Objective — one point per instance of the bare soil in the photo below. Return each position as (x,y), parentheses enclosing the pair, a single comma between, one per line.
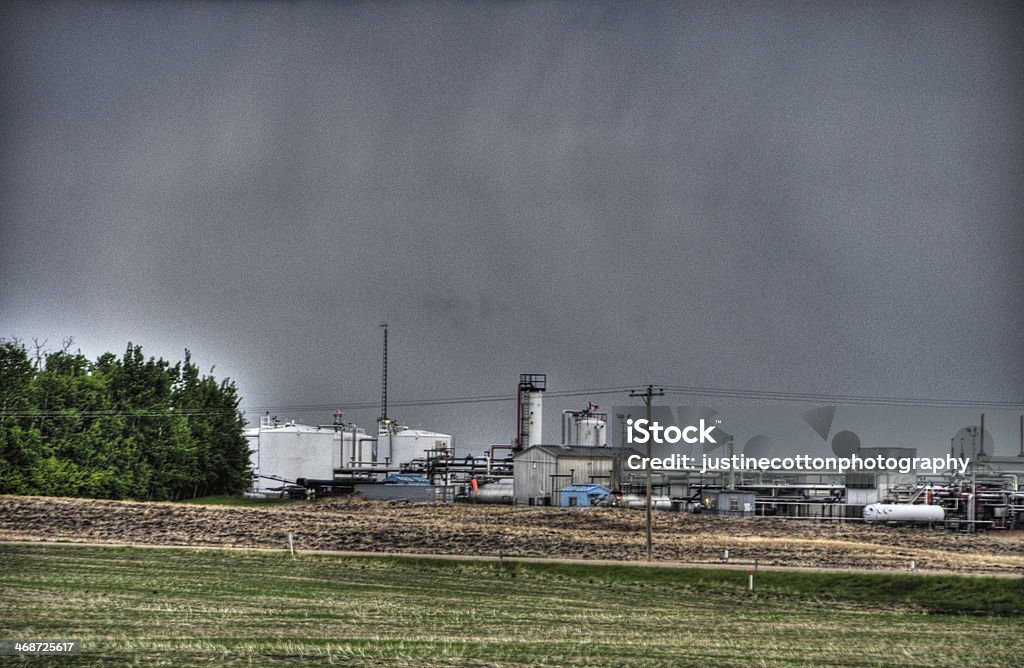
(576,533)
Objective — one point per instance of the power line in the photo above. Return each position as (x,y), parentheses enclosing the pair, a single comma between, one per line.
(430,402)
(72,413)
(693,391)
(838,398)
(761,395)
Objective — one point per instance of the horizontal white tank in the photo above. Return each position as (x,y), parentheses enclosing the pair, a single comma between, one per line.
(494,492)
(903,512)
(637,501)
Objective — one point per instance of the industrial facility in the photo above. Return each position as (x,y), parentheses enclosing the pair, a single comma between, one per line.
(582,469)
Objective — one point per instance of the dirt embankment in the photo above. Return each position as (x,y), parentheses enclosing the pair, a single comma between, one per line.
(589,533)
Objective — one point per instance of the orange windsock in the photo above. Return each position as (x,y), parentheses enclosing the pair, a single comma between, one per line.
(476,487)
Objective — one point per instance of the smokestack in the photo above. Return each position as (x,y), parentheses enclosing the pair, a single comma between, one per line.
(536,419)
(529,413)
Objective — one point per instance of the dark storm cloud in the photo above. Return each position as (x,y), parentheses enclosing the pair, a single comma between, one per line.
(785,196)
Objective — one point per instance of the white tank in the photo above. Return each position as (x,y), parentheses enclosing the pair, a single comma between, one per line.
(494,492)
(903,512)
(408,444)
(536,419)
(291,451)
(637,501)
(589,431)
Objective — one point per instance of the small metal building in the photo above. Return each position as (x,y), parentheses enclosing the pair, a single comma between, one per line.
(730,502)
(583,495)
(539,472)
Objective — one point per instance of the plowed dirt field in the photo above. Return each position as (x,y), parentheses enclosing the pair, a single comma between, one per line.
(587,533)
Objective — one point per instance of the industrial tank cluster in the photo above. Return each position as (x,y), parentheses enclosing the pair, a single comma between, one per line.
(336,454)
(396,462)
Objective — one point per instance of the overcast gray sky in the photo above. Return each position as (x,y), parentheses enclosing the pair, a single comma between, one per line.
(806,197)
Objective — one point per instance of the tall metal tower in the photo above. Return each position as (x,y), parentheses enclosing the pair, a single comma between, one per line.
(529,423)
(383,419)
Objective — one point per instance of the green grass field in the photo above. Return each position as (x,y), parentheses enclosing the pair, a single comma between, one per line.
(186,607)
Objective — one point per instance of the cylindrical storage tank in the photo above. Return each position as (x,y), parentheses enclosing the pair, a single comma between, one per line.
(589,431)
(291,451)
(903,512)
(631,501)
(661,503)
(637,501)
(536,419)
(410,444)
(494,492)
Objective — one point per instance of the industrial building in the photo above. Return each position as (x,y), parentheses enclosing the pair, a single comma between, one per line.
(581,469)
(541,471)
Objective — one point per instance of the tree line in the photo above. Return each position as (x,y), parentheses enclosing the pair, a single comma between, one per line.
(117,428)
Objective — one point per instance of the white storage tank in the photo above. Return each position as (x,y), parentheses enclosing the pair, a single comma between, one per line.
(252,437)
(535,402)
(291,451)
(589,431)
(903,512)
(499,491)
(637,501)
(585,428)
(405,445)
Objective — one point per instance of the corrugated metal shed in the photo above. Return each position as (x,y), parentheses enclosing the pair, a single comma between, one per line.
(542,470)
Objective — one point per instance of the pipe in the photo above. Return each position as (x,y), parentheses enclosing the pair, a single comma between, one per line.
(982,435)
(732,469)
(1016,487)
(563,427)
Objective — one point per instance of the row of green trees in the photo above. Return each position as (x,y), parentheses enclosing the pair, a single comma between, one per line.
(117,428)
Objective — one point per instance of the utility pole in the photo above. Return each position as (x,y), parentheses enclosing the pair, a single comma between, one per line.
(647,395)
